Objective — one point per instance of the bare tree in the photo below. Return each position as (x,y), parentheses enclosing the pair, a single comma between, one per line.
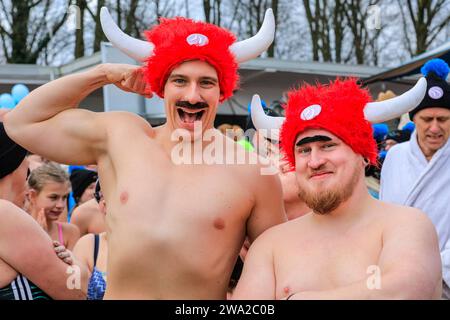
(98,32)
(186,6)
(79,33)
(428,18)
(26,29)
(130,19)
(357,12)
(327,25)
(249,16)
(212,10)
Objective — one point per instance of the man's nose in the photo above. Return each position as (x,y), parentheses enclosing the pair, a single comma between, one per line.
(193,94)
(434,127)
(316,160)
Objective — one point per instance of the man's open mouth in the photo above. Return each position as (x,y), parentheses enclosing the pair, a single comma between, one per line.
(190,115)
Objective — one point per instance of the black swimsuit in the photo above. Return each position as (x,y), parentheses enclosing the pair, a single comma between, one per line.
(22,289)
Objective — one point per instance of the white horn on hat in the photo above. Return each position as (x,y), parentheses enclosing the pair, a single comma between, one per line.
(251,48)
(137,49)
(381,111)
(268,126)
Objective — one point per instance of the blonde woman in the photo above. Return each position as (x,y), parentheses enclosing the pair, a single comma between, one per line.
(49,186)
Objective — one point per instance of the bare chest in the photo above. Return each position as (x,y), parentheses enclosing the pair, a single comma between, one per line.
(191,217)
(327,262)
(171,208)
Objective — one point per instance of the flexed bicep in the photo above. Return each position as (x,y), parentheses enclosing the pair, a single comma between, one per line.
(71,136)
(48,122)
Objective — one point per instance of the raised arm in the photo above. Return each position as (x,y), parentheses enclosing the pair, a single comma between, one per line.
(47,122)
(29,250)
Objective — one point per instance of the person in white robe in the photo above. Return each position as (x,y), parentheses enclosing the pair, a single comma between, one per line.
(417,173)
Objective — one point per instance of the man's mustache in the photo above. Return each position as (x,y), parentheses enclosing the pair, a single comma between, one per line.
(186,104)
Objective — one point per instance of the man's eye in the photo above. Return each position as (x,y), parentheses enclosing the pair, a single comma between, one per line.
(207,83)
(328,145)
(304,150)
(179,81)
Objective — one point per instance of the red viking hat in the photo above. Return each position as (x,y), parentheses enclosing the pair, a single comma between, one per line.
(337,108)
(177,40)
(341,107)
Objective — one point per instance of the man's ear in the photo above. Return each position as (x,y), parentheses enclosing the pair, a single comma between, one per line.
(366,162)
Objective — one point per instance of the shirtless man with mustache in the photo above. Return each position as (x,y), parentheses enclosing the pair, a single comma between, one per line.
(174,231)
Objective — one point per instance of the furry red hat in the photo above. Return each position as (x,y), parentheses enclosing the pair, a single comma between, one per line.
(337,108)
(180,39)
(176,40)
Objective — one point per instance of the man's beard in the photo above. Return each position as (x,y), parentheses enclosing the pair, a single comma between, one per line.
(324,202)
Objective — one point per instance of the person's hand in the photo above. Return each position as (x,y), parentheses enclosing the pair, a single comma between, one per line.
(41,220)
(63,253)
(284,167)
(244,249)
(127,77)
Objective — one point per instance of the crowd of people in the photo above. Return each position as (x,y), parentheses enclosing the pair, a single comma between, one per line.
(352,210)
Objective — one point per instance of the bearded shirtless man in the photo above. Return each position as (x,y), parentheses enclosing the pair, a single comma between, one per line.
(174,231)
(351,246)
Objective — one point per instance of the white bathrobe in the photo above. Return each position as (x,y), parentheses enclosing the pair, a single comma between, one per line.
(407,178)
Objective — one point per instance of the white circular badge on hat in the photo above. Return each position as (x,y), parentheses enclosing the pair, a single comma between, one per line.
(311,112)
(197,39)
(435,93)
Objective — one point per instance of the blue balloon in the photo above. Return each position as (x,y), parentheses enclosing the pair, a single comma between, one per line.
(19,91)
(7,101)
(410,126)
(380,130)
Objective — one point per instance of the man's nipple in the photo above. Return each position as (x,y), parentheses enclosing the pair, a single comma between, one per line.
(219,223)
(124,197)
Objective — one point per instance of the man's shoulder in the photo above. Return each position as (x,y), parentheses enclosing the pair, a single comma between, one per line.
(258,168)
(10,214)
(123,119)
(4,204)
(402,216)
(9,208)
(282,230)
